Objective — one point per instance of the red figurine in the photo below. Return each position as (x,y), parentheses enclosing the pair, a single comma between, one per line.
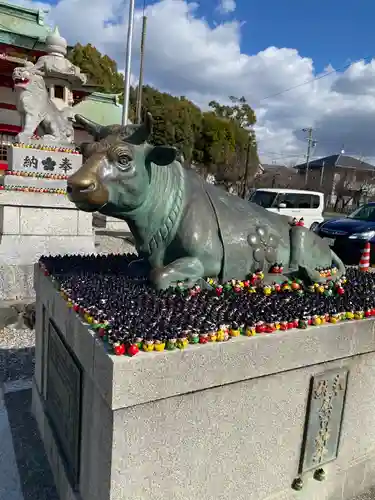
(301,222)
(101,332)
(275,269)
(132,350)
(119,349)
(260,327)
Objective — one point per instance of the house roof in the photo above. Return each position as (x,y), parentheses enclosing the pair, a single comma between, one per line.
(22,27)
(339,160)
(101,108)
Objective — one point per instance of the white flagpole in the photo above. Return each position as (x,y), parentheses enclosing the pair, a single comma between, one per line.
(129,44)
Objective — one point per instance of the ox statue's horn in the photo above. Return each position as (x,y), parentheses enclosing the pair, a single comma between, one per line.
(134,134)
(91,127)
(140,133)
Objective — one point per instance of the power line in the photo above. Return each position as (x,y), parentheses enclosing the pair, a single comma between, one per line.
(328,73)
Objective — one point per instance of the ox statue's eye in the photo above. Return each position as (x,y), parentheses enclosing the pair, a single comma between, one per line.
(124,161)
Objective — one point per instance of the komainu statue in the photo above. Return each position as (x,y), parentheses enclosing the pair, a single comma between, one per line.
(38,110)
(186,228)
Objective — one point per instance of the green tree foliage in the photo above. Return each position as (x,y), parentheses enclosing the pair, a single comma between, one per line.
(177,121)
(219,141)
(101,69)
(241,165)
(239,111)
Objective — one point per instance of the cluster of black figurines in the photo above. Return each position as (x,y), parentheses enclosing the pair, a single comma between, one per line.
(112,293)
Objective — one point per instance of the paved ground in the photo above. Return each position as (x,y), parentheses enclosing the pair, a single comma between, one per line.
(24,469)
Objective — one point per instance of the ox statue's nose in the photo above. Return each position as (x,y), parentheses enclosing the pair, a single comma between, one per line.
(81,186)
(86,191)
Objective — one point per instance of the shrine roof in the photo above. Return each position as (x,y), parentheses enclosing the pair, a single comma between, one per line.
(104,109)
(22,27)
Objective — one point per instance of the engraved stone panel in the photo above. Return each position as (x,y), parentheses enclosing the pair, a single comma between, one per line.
(63,400)
(42,161)
(324,418)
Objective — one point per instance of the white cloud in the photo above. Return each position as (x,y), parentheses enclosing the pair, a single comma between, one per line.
(185,55)
(227,6)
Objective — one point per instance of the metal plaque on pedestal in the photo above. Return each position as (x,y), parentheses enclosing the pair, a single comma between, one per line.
(63,400)
(324,419)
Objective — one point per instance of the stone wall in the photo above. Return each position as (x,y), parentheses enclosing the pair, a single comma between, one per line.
(32,225)
(222,421)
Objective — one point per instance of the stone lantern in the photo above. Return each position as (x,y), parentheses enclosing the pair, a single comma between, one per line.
(60,75)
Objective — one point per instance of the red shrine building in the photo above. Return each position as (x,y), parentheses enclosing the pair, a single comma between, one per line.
(25,35)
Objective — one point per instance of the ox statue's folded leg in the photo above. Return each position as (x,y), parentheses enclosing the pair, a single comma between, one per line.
(187,270)
(308,252)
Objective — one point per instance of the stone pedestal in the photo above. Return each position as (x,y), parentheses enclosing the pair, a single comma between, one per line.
(239,420)
(34,224)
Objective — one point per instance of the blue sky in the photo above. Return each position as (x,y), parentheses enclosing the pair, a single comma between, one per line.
(329,31)
(185,56)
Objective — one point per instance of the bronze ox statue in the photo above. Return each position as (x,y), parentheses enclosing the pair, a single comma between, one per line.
(184,227)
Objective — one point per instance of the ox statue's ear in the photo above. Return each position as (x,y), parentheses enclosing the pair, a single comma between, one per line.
(162,155)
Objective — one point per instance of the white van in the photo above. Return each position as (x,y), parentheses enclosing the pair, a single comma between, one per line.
(292,203)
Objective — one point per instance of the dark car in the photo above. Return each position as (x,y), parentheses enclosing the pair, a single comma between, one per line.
(348,236)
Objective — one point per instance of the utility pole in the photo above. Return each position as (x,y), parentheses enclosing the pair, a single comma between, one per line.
(322,174)
(310,143)
(244,187)
(129,44)
(140,82)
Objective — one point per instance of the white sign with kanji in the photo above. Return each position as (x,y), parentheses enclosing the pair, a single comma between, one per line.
(41,161)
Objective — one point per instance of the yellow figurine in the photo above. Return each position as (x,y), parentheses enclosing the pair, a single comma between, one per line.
(220,336)
(335,318)
(349,315)
(182,342)
(223,333)
(212,336)
(88,318)
(159,345)
(316,320)
(250,331)
(148,345)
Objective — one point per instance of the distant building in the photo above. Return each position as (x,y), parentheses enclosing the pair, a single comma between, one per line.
(274,175)
(341,176)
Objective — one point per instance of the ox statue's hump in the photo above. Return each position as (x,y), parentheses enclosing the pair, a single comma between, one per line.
(239,222)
